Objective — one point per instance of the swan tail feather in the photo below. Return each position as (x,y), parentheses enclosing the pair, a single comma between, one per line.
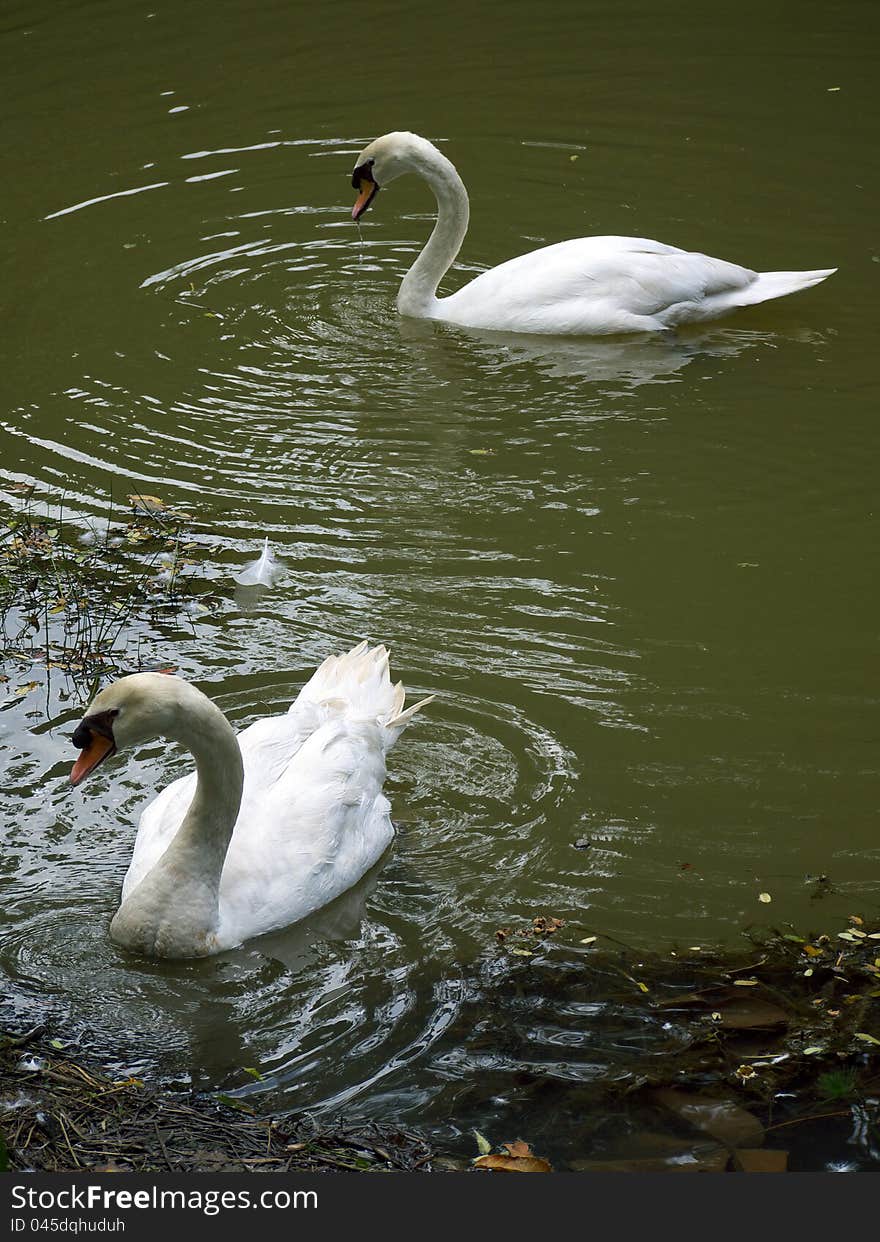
(779,284)
(401,719)
(358,684)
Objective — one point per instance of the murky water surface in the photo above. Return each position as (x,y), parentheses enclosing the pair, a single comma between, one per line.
(638,575)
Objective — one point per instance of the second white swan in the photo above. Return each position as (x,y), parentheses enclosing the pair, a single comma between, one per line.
(586,286)
(273,824)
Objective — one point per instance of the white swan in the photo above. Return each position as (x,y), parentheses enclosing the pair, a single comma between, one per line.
(272,825)
(586,286)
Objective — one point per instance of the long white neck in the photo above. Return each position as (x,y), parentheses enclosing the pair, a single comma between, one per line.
(174,910)
(418,292)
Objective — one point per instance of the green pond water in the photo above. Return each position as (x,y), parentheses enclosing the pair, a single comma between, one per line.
(639,575)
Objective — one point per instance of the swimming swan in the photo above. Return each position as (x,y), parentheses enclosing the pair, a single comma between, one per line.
(586,286)
(273,824)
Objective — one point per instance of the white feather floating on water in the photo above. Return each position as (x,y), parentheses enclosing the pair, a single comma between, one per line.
(260,572)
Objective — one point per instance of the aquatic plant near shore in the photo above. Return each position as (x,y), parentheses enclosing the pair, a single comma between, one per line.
(75,594)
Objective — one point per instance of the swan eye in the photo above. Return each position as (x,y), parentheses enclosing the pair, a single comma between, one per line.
(94,737)
(100,723)
(363,172)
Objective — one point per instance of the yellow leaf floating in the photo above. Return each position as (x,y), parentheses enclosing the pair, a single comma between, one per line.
(868,1039)
(745,983)
(483,1144)
(765,898)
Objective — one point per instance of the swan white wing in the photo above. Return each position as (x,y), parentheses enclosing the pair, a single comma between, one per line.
(596,285)
(312,835)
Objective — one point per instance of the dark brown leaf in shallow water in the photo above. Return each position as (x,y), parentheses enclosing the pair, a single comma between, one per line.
(721,1118)
(760,1160)
(745,1013)
(734,1008)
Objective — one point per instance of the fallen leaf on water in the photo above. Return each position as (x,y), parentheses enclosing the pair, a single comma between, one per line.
(152,504)
(27,687)
(524,952)
(721,1118)
(589,939)
(855,918)
(519,1159)
(745,1011)
(483,1144)
(745,983)
(811,950)
(868,1039)
(765,898)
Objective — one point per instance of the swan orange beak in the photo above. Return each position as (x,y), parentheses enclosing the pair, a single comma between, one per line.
(368,191)
(95,752)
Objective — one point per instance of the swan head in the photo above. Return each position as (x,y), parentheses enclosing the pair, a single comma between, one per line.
(131,710)
(386,158)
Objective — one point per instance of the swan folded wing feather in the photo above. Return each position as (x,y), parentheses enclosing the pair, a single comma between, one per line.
(321,826)
(592,284)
